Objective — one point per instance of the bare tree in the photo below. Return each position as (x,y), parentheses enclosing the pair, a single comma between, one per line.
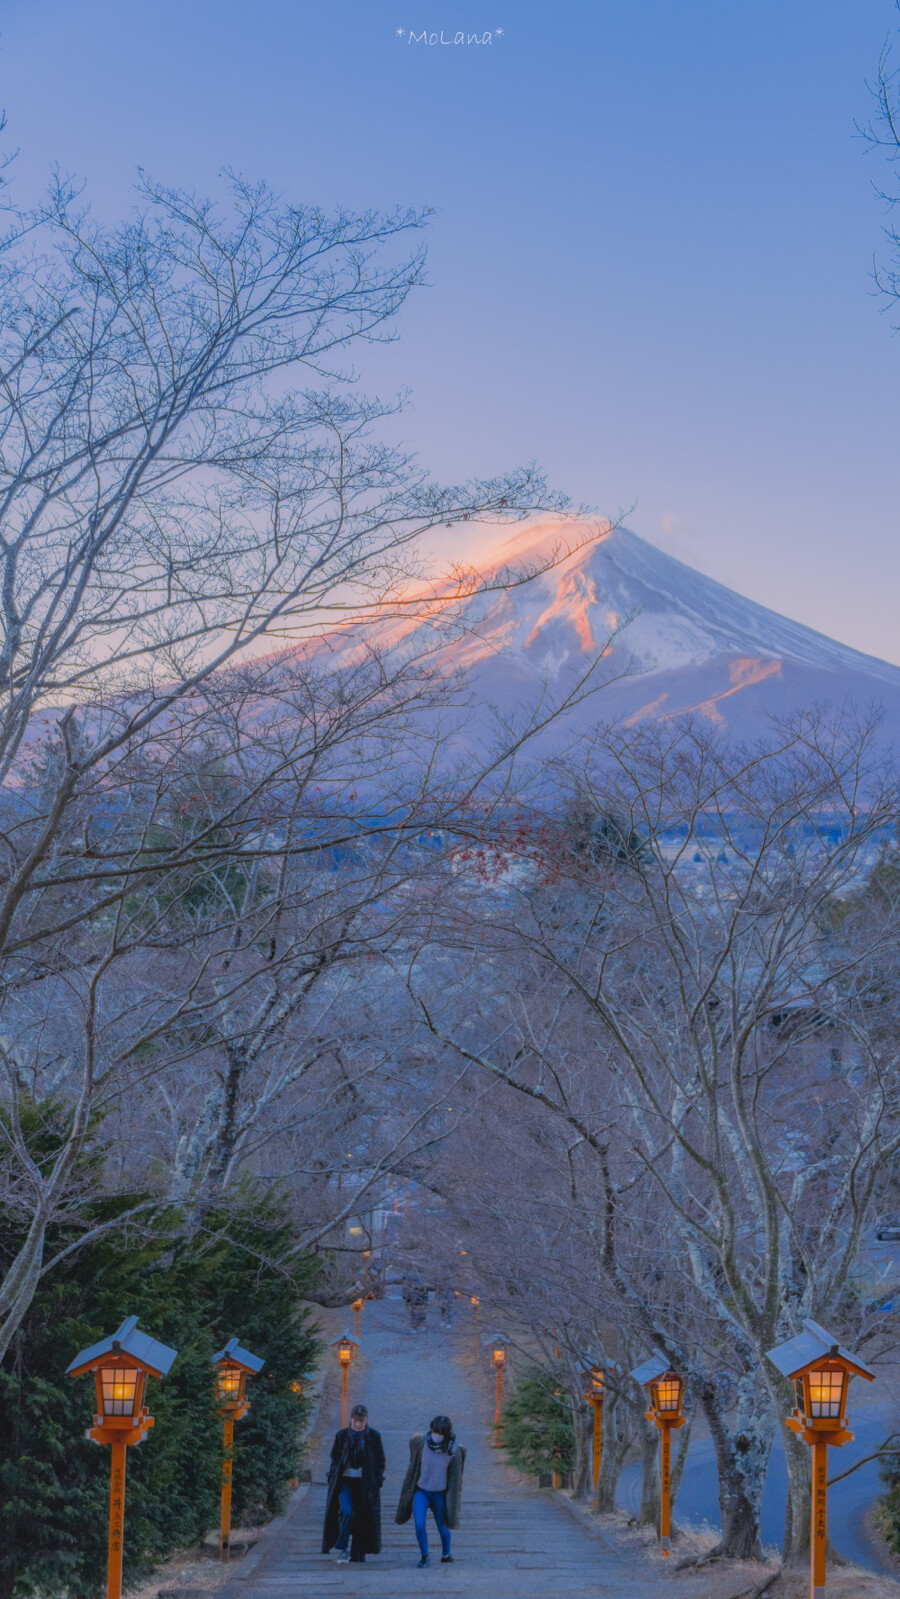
(170,498)
(692,923)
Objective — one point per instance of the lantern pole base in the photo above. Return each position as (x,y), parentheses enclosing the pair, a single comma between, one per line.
(664,1546)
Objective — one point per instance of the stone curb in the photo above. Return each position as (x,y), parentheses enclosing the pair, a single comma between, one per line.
(263,1547)
(582,1514)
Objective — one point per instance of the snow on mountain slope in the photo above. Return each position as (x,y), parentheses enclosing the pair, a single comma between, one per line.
(692,645)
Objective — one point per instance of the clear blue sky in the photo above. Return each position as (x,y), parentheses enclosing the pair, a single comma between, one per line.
(651,263)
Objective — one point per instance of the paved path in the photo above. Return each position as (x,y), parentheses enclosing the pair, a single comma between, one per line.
(513,1540)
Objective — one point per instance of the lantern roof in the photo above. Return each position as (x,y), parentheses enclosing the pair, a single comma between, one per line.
(154,1357)
(809,1348)
(236,1356)
(651,1370)
(345,1338)
(496,1338)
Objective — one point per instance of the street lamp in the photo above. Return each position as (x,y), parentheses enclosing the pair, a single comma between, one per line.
(593,1393)
(666,1395)
(474,1301)
(356,1306)
(498,1347)
(121,1365)
(346,1352)
(666,1390)
(233,1366)
(820,1371)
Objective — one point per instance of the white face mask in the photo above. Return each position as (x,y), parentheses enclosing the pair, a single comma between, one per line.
(438,1437)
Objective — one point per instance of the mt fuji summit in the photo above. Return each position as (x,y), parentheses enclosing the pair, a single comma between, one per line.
(678,642)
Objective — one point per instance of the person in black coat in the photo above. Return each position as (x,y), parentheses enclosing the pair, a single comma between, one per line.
(355,1476)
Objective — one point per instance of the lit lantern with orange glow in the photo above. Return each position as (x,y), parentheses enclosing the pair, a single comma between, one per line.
(594,1393)
(666,1395)
(666,1390)
(230,1389)
(356,1306)
(346,1352)
(498,1347)
(233,1366)
(820,1371)
(121,1365)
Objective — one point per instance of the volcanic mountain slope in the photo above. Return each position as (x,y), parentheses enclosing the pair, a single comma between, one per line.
(691,645)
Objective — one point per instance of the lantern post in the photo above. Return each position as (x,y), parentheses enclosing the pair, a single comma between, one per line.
(121,1365)
(820,1371)
(346,1352)
(666,1390)
(474,1301)
(498,1347)
(593,1393)
(233,1366)
(356,1306)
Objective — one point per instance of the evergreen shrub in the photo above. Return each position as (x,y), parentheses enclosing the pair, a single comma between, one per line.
(537,1427)
(889,1509)
(194,1292)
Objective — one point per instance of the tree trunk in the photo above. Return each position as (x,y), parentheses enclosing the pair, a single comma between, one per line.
(799,1499)
(21,1281)
(648,1516)
(617,1441)
(684,1439)
(582,1425)
(739,1496)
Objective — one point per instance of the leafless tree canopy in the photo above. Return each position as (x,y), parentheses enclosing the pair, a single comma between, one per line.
(202,845)
(684,967)
(628,1037)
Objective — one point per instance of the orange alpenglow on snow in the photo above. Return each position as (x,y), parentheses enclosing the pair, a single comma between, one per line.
(667,640)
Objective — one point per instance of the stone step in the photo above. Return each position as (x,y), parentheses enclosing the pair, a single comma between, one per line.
(515,1541)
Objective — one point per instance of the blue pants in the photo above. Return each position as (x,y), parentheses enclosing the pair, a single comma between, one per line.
(438,1504)
(348,1500)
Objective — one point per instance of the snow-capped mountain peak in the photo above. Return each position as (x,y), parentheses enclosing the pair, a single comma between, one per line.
(674,640)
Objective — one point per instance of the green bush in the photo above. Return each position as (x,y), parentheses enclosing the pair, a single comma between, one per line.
(537,1427)
(192,1293)
(889,1509)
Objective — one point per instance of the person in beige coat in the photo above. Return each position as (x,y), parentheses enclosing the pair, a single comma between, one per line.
(433,1482)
